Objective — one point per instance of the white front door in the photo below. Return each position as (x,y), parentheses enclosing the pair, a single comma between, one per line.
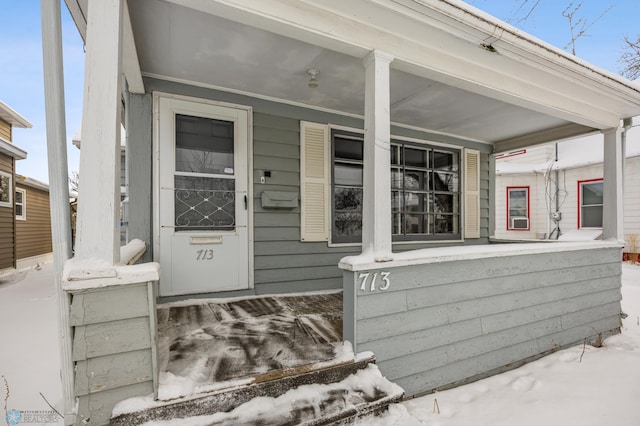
(202,192)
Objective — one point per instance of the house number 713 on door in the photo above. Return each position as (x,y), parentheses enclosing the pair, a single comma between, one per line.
(204,254)
(384,280)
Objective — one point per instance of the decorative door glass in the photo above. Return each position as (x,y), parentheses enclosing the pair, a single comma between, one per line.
(205,196)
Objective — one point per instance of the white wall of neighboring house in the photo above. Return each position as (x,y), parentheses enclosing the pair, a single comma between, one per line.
(578,160)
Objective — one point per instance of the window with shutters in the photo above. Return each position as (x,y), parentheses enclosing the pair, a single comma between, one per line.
(425,190)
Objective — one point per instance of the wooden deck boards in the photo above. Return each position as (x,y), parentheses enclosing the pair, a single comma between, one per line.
(211,341)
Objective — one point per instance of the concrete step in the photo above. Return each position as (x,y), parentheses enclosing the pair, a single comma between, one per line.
(311,395)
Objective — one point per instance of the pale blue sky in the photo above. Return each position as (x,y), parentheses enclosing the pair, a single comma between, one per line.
(21,80)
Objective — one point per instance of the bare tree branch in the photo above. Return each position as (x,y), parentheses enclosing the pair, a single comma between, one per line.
(579,27)
(528,14)
(630,58)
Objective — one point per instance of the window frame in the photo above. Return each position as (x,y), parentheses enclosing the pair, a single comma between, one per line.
(9,177)
(581,184)
(402,142)
(22,204)
(528,207)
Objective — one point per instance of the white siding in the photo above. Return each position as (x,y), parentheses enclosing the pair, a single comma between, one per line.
(632,196)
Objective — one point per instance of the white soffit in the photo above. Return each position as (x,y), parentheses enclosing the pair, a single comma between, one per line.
(442,79)
(10,116)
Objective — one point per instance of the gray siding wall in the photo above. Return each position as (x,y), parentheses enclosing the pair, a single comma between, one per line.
(282,263)
(433,328)
(113,349)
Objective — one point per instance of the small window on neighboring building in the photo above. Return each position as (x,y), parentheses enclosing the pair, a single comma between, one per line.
(21,204)
(6,190)
(518,208)
(590,202)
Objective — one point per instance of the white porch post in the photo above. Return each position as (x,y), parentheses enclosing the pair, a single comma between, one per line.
(613,208)
(99,200)
(376,204)
(58,186)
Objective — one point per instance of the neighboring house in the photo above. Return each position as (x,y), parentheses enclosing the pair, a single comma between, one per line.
(9,154)
(33,222)
(565,177)
(250,173)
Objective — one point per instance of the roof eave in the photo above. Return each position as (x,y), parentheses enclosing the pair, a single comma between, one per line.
(9,115)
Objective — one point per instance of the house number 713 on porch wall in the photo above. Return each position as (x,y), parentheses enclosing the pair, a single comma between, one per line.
(384,278)
(204,254)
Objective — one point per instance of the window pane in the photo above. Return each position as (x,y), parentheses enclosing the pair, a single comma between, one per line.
(204,145)
(348,199)
(517,213)
(445,203)
(445,224)
(445,182)
(397,201)
(416,202)
(395,154)
(204,204)
(417,223)
(396,224)
(416,180)
(396,178)
(447,161)
(347,174)
(591,217)
(5,188)
(518,199)
(415,157)
(347,224)
(348,149)
(592,193)
(18,209)
(19,197)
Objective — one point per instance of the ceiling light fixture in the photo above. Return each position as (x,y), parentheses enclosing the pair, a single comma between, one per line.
(313,81)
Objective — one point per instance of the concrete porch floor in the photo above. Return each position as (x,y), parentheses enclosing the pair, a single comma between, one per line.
(203,343)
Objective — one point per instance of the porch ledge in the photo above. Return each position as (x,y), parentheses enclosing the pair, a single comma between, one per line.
(450,254)
(100,277)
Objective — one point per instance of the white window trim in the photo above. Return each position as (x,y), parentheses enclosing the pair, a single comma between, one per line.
(10,202)
(581,184)
(23,216)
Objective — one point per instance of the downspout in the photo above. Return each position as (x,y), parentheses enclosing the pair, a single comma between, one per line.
(557,181)
(58,187)
(627,123)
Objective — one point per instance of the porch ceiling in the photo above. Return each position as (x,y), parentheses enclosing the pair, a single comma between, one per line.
(194,42)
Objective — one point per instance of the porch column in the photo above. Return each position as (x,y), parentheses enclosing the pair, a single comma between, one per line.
(613,202)
(376,202)
(99,200)
(58,186)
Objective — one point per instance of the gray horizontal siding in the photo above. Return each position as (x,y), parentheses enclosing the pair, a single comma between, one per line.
(113,348)
(276,148)
(433,328)
(282,263)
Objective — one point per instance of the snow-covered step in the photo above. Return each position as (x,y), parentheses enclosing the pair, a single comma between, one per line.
(314,396)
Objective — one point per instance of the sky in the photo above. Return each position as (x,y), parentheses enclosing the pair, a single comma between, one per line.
(21,77)
(22,81)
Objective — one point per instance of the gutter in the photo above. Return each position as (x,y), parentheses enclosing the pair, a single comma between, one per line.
(12,150)
(502,28)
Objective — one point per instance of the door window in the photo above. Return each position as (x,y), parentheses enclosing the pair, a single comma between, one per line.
(204,174)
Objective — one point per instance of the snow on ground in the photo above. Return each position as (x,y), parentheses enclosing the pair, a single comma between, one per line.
(559,389)
(29,350)
(604,388)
